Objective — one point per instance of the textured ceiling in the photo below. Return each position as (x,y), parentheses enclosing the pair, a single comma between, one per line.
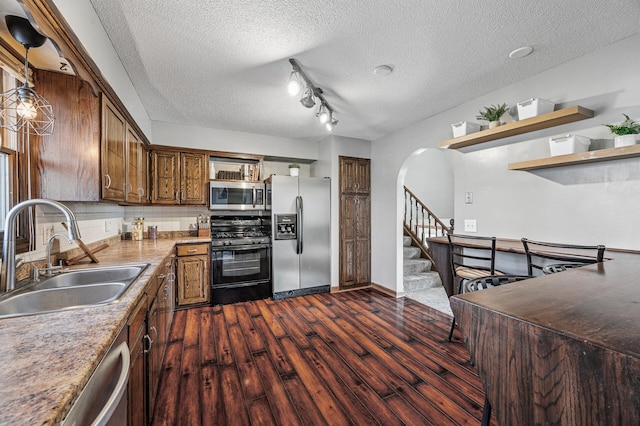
(224,64)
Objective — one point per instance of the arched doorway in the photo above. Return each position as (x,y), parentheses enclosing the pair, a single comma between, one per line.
(428,174)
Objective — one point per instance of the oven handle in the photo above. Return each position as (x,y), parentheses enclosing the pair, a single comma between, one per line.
(299,225)
(238,285)
(254,196)
(239,248)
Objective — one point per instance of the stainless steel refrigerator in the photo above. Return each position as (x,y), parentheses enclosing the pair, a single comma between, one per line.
(301,220)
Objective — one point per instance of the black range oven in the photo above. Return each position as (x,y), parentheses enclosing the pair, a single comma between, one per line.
(240,258)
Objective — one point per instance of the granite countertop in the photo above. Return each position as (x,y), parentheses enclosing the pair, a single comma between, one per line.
(47,359)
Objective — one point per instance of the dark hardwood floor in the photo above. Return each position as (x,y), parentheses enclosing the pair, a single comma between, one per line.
(347,358)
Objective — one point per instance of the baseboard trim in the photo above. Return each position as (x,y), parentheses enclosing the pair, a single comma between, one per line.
(387,291)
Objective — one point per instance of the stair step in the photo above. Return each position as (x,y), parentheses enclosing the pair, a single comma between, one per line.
(406,240)
(421,281)
(411,252)
(413,266)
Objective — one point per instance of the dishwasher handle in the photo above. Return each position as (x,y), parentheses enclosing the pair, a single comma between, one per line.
(121,386)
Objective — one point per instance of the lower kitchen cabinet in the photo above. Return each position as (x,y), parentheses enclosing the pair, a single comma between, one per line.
(136,388)
(193,274)
(149,327)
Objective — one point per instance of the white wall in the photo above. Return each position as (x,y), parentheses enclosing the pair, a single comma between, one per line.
(328,165)
(85,24)
(429,176)
(595,203)
(231,141)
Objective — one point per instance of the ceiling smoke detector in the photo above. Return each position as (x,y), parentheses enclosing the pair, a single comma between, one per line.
(521,52)
(383,70)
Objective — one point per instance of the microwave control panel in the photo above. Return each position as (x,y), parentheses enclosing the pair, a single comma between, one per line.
(286,227)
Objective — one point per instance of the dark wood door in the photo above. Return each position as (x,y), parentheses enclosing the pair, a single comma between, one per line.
(66,165)
(355,175)
(113,152)
(137,386)
(136,169)
(165,176)
(355,222)
(193,280)
(194,169)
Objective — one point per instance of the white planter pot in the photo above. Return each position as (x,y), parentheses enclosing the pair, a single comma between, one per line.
(294,171)
(494,124)
(624,140)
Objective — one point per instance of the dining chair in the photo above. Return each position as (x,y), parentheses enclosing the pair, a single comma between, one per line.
(550,258)
(483,284)
(471,257)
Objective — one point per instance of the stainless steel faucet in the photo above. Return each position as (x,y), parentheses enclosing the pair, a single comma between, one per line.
(8,273)
(49,269)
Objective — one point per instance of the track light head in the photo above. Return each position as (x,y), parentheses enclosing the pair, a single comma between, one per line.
(323,114)
(331,124)
(294,86)
(307,99)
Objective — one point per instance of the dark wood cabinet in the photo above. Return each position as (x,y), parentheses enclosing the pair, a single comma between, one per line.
(355,222)
(179,177)
(194,175)
(193,274)
(355,175)
(137,169)
(149,327)
(136,387)
(65,166)
(123,158)
(164,177)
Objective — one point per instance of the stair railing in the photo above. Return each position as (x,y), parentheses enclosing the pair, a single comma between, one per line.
(421,223)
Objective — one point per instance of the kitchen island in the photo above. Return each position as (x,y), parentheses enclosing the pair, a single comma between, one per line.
(48,358)
(562,348)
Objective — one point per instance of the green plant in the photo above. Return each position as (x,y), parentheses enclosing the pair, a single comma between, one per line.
(294,166)
(492,113)
(627,127)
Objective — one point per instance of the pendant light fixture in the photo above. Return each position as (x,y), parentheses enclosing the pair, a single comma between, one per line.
(22,109)
(298,81)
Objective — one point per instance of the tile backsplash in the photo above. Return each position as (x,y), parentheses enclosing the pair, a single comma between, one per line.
(98,221)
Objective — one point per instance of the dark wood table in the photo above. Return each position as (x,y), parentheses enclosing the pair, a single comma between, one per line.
(562,348)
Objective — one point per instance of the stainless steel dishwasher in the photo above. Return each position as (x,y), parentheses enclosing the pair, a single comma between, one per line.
(103,401)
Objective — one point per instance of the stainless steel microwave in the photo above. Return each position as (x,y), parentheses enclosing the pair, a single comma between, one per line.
(224,195)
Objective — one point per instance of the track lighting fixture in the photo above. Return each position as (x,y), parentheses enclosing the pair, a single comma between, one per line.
(299,80)
(22,109)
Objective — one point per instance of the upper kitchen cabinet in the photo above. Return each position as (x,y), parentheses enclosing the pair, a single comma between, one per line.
(179,177)
(66,165)
(355,175)
(123,158)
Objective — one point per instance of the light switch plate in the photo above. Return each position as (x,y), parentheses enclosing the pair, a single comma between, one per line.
(468,197)
(470,225)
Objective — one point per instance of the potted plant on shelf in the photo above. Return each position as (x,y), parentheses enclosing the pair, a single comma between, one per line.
(626,132)
(294,169)
(492,114)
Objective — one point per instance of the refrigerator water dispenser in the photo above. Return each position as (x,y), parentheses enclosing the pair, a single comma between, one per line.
(286,226)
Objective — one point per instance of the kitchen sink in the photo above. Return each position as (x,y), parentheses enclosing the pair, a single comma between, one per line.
(75,289)
(80,277)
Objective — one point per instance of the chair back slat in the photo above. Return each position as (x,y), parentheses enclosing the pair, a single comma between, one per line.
(546,257)
(472,252)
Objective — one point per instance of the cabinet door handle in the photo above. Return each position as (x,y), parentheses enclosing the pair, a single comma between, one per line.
(177,196)
(108,179)
(172,277)
(141,192)
(192,251)
(162,276)
(148,339)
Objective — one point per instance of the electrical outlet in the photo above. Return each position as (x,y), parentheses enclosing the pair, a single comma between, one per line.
(107,226)
(470,225)
(468,197)
(47,232)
